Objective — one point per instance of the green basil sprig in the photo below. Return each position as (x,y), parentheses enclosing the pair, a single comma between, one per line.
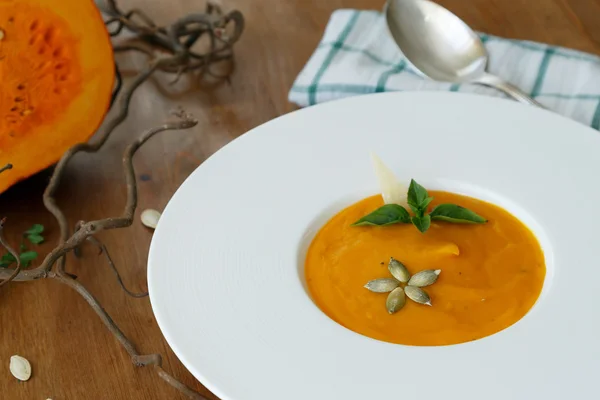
(34,235)
(385,215)
(418,200)
(421,222)
(456,214)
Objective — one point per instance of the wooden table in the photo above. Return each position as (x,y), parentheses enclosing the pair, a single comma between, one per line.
(73,355)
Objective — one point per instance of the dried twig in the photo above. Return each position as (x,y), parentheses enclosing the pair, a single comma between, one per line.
(179,37)
(137,358)
(111,264)
(85,232)
(118,85)
(168,49)
(12,251)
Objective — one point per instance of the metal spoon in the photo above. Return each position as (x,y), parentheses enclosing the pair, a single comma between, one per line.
(442,46)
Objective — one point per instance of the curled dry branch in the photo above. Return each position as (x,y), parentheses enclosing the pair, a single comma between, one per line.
(179,38)
(12,251)
(169,49)
(113,267)
(85,232)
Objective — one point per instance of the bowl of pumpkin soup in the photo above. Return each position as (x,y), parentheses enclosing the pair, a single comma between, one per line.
(397,245)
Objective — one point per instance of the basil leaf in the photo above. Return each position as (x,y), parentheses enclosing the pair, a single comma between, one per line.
(416,210)
(456,214)
(425,203)
(385,215)
(35,239)
(422,223)
(417,194)
(36,229)
(28,256)
(6,260)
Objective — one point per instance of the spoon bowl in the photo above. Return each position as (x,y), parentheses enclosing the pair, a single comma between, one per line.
(442,47)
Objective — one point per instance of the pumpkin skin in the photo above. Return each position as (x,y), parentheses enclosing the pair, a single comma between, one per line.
(56,79)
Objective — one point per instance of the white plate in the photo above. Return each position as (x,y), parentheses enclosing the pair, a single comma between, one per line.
(225,266)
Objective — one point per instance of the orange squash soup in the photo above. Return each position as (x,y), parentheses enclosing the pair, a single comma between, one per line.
(491,273)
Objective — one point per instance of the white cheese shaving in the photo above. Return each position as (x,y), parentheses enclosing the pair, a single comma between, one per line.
(392,190)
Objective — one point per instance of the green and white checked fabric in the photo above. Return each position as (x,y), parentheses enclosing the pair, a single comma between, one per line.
(357,55)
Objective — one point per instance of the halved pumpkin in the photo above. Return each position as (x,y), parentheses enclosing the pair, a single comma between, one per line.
(56,78)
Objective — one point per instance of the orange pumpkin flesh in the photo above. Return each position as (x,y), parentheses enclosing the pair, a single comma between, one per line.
(56,79)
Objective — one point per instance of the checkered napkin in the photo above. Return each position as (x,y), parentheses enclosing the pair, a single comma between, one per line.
(357,55)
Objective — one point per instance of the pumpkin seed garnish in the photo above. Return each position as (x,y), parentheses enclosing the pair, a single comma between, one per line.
(417,295)
(382,285)
(398,270)
(150,218)
(424,278)
(397,294)
(396,300)
(20,368)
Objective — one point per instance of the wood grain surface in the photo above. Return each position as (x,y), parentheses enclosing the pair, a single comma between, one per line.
(73,355)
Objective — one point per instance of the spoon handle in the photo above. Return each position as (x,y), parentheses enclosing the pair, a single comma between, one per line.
(511,90)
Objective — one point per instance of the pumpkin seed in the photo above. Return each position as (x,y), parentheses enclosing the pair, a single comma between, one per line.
(398,270)
(417,295)
(1,34)
(424,278)
(150,218)
(396,300)
(382,285)
(20,368)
